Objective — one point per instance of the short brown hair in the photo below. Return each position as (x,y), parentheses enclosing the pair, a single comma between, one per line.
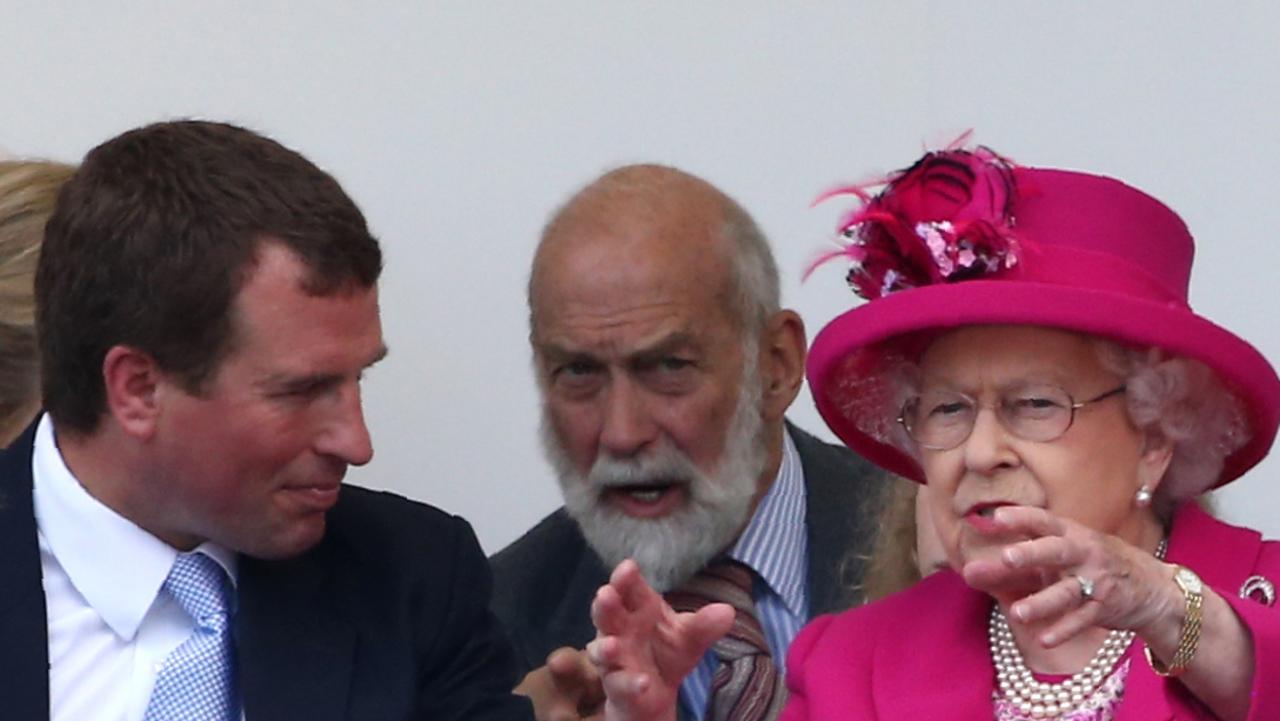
(28,189)
(154,236)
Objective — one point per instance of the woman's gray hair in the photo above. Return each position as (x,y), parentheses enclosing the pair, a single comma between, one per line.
(1182,401)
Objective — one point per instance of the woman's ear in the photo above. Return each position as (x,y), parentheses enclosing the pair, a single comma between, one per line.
(1157,454)
(782,353)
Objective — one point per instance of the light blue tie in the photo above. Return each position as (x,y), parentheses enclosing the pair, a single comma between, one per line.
(197,681)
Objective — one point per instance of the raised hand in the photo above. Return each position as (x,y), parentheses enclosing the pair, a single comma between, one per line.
(1087,578)
(567,688)
(644,649)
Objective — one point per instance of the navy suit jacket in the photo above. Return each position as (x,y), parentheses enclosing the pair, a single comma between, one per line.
(385,619)
(544,581)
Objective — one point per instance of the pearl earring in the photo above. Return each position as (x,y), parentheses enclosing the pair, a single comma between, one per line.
(1143,497)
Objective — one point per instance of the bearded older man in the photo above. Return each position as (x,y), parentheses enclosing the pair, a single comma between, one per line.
(666,366)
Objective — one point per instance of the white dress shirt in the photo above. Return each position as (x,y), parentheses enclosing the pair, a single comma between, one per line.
(109,625)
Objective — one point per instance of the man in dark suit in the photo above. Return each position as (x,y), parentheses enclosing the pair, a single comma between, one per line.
(666,366)
(176,540)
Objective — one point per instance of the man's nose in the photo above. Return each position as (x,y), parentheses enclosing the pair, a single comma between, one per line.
(345,436)
(628,425)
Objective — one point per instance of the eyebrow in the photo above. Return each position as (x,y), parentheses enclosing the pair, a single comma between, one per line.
(289,381)
(656,349)
(1060,380)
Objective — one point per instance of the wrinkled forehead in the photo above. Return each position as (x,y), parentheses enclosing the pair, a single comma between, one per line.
(610,270)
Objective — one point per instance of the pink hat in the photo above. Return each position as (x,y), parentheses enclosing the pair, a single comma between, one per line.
(967,238)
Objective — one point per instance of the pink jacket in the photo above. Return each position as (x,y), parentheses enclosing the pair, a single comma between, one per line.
(922,654)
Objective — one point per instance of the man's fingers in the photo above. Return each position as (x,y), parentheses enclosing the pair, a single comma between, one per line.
(625,690)
(635,592)
(708,625)
(605,653)
(607,611)
(576,678)
(569,665)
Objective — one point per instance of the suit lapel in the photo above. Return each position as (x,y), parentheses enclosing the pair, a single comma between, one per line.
(24,661)
(295,648)
(837,492)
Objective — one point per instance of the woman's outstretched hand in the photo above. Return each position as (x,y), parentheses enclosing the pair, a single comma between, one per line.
(644,649)
(1123,587)
(1129,588)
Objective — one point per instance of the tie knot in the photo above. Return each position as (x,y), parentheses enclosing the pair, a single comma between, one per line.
(201,587)
(722,581)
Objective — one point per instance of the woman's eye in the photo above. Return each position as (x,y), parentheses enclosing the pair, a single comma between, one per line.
(948,409)
(1036,403)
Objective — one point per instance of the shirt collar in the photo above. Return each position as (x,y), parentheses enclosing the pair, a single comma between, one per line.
(775,544)
(116,566)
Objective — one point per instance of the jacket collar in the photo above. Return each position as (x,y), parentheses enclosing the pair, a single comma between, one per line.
(938,665)
(24,664)
(294,645)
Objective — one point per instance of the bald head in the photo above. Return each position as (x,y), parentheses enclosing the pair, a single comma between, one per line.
(656,224)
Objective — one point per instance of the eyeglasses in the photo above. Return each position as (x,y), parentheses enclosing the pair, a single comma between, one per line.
(940,420)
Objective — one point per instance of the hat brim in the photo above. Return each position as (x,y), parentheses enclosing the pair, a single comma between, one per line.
(1171,327)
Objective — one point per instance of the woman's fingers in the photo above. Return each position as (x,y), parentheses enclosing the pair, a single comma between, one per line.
(1055,552)
(1029,521)
(1058,598)
(1070,624)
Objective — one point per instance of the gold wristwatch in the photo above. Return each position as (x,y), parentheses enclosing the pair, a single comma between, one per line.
(1189,639)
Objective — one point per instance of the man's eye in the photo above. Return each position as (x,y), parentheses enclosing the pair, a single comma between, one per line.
(673,363)
(577,369)
(298,392)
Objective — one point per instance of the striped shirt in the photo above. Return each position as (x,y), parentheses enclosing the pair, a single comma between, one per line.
(776,547)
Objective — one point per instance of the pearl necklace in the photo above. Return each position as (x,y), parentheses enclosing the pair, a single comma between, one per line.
(1039,699)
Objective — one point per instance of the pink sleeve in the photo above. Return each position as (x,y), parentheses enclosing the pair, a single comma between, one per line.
(797,708)
(1263,623)
(829,670)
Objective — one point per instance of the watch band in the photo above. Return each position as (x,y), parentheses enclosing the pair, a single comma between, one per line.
(1189,638)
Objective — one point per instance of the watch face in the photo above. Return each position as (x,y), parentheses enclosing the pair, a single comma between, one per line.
(1189,580)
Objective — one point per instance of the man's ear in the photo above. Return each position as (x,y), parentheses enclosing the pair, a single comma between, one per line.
(782,353)
(132,379)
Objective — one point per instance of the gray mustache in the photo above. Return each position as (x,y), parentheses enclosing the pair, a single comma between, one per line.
(637,480)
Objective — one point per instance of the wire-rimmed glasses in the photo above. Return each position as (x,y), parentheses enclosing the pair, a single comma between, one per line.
(941,419)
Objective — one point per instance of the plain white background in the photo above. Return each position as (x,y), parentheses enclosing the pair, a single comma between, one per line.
(459,126)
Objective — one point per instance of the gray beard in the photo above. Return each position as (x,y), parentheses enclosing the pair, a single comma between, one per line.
(669,550)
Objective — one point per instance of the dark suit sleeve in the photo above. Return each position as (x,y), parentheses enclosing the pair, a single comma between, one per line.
(469,670)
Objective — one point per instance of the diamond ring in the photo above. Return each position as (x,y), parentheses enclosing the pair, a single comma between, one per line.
(1086,588)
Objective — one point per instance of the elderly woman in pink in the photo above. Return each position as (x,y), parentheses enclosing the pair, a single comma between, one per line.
(1028,352)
